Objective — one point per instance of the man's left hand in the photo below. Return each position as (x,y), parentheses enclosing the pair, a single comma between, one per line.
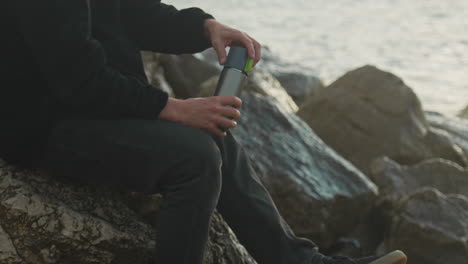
(222,36)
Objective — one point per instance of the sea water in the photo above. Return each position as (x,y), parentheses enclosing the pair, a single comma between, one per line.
(425,42)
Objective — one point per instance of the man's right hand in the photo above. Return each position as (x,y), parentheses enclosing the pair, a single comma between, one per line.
(208,113)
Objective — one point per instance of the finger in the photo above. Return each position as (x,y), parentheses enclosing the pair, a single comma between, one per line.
(258,51)
(215,130)
(230,100)
(225,122)
(220,49)
(230,112)
(248,44)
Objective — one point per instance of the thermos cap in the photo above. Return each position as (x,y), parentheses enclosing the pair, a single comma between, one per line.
(238,58)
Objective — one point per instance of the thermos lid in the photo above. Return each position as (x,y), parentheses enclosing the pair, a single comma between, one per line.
(238,58)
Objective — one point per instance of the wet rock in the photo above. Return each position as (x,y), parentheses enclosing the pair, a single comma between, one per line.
(431,228)
(369,113)
(396,181)
(464,113)
(320,194)
(298,81)
(52,220)
(455,128)
(258,82)
(185,73)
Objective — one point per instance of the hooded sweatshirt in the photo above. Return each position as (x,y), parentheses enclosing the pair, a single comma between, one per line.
(64,59)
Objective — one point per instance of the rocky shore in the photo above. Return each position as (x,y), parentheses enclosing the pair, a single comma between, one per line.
(357,166)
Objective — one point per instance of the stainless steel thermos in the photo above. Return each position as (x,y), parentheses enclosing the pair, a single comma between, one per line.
(235,72)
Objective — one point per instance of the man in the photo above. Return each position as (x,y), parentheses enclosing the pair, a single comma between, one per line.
(75,101)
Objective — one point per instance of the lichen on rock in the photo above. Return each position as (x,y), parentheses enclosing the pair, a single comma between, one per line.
(47,219)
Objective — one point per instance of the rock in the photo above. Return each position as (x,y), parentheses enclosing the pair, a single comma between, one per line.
(258,82)
(185,73)
(369,113)
(454,128)
(320,194)
(298,81)
(154,72)
(8,252)
(431,228)
(464,113)
(396,181)
(299,86)
(53,220)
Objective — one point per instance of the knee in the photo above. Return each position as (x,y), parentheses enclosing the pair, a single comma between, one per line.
(202,152)
(201,163)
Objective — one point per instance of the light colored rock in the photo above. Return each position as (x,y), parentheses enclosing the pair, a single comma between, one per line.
(258,82)
(320,194)
(369,113)
(396,181)
(431,228)
(464,113)
(185,73)
(154,72)
(52,220)
(454,128)
(299,86)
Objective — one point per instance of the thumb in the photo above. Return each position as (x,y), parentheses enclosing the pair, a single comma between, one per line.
(220,51)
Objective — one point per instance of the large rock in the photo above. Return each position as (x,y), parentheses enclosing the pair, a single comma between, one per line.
(51,220)
(258,82)
(464,113)
(320,194)
(369,113)
(185,73)
(313,186)
(396,181)
(155,72)
(8,253)
(454,128)
(298,81)
(431,228)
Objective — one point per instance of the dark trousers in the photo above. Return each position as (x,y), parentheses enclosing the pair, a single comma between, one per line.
(194,171)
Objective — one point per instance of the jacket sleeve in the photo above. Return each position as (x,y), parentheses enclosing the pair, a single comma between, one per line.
(74,64)
(162,28)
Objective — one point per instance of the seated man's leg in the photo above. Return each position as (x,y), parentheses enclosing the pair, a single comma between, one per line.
(249,210)
(147,156)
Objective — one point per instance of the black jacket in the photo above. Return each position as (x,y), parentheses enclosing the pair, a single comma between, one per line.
(80,59)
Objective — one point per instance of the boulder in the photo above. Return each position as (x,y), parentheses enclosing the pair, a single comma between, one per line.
(185,73)
(298,81)
(320,194)
(431,228)
(8,253)
(454,128)
(396,181)
(369,113)
(258,82)
(154,71)
(300,86)
(464,113)
(53,220)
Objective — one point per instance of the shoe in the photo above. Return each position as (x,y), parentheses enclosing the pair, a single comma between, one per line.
(395,257)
